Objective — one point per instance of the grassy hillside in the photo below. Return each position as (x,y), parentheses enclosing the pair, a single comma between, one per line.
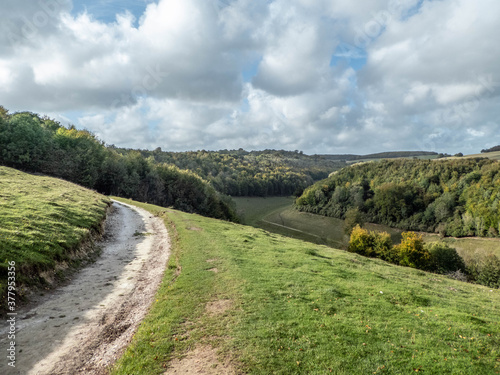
(42,219)
(290,307)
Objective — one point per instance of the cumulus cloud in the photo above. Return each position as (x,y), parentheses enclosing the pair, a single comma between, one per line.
(321,76)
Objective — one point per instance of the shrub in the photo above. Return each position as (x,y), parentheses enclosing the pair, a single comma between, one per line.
(412,252)
(374,244)
(444,259)
(383,247)
(484,270)
(361,242)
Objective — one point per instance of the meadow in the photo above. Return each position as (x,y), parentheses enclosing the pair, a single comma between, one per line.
(43,220)
(293,307)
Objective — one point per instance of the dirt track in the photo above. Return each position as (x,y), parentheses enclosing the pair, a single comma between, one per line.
(83,327)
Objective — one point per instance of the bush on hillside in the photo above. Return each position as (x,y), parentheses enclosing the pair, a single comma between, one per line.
(444,259)
(372,244)
(412,251)
(484,270)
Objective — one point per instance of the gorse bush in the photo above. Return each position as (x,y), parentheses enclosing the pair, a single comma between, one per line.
(372,244)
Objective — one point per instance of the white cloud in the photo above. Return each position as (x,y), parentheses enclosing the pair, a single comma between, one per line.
(174,76)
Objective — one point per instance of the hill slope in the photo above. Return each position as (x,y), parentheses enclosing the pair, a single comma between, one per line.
(42,221)
(269,304)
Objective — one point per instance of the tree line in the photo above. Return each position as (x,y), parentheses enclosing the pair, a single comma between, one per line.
(39,144)
(255,173)
(459,197)
(492,149)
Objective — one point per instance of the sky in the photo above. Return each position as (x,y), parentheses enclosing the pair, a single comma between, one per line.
(321,76)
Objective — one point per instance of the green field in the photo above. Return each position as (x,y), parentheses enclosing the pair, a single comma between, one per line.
(277,215)
(293,307)
(252,209)
(42,221)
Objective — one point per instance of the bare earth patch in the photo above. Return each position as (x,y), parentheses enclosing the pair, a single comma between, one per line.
(83,327)
(219,307)
(201,360)
(214,270)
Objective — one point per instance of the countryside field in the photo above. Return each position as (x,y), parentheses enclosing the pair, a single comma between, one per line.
(43,221)
(292,307)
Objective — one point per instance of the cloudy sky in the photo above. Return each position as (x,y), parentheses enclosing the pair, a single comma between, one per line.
(322,76)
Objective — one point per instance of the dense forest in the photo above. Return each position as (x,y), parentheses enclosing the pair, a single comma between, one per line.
(41,145)
(458,197)
(255,173)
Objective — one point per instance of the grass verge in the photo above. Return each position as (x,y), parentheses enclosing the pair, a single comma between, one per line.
(301,308)
(42,221)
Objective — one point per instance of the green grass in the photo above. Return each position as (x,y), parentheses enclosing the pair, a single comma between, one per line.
(42,220)
(252,209)
(301,308)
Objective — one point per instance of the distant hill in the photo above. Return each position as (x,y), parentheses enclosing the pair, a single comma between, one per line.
(380,155)
(493,149)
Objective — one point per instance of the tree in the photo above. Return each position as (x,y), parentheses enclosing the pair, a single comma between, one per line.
(444,258)
(353,217)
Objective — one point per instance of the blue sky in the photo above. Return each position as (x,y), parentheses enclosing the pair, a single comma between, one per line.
(346,76)
(106,10)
